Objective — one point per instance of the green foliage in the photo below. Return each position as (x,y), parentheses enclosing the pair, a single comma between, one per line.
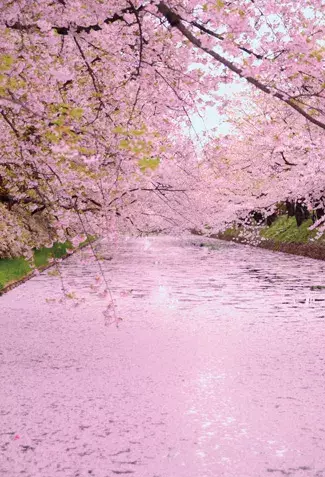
(127,132)
(285,229)
(6,62)
(124,144)
(148,163)
(76,113)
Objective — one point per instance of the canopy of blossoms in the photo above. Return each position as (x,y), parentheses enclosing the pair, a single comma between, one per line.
(96,97)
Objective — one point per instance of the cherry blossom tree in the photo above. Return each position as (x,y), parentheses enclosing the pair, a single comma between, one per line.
(95,96)
(271,157)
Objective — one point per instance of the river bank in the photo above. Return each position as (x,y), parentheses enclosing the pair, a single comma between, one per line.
(311,250)
(282,236)
(14,271)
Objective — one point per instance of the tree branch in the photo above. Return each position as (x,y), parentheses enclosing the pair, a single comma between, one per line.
(65,30)
(175,21)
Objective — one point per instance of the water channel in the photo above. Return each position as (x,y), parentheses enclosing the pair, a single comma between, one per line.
(216,367)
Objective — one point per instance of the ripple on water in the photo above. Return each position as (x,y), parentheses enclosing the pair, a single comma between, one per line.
(217,368)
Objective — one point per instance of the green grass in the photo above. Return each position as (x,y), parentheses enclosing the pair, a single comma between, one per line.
(13,269)
(43,255)
(231,232)
(285,230)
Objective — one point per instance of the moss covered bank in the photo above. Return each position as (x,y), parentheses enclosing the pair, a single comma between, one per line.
(282,236)
(14,271)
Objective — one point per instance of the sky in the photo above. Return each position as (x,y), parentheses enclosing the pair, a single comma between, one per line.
(211,118)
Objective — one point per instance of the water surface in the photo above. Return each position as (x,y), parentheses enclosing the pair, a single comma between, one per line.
(215,370)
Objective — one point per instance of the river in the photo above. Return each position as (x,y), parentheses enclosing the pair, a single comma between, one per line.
(213,365)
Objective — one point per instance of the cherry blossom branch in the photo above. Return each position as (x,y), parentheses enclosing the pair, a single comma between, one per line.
(63,30)
(15,101)
(175,21)
(141,46)
(222,38)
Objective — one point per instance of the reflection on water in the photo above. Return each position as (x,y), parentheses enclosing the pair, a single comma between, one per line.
(216,369)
